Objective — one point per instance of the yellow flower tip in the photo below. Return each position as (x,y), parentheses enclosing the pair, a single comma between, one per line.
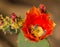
(20,23)
(7,17)
(1,16)
(15,25)
(54,24)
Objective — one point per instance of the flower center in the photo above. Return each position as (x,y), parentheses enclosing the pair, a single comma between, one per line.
(37,31)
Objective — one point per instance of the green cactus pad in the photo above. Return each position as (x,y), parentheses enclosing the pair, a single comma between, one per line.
(24,42)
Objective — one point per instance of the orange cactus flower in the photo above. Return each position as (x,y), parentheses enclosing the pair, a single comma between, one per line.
(38,24)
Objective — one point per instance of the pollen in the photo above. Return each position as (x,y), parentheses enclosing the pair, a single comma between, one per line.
(38,31)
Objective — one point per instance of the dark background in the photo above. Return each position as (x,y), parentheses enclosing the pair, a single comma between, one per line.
(20,7)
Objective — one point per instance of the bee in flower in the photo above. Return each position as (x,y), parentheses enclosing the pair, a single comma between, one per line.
(38,24)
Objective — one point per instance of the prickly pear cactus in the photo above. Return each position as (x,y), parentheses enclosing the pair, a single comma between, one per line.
(32,30)
(23,42)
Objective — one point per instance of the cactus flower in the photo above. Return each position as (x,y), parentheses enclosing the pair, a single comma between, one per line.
(38,24)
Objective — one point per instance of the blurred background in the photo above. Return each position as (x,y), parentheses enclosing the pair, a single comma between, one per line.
(20,7)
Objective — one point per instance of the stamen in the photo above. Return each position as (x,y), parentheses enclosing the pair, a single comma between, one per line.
(37,31)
